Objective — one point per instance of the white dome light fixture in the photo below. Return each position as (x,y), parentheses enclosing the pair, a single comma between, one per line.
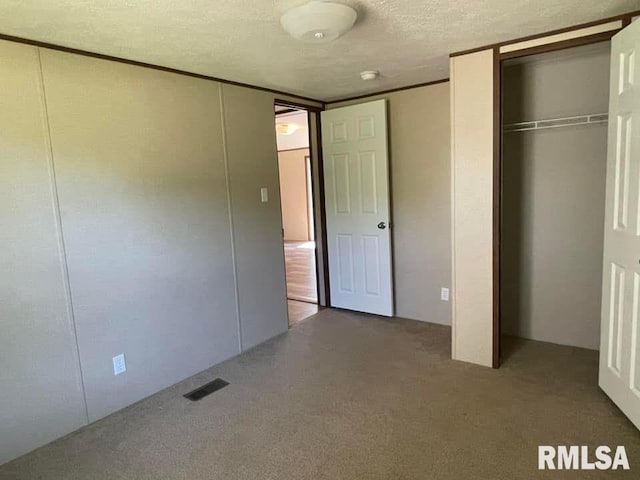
(318,21)
(369,75)
(287,128)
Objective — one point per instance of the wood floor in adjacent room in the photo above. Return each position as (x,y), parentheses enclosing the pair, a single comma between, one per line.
(302,294)
(298,311)
(352,396)
(300,262)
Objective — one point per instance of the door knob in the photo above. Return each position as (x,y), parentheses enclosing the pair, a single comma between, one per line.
(382,225)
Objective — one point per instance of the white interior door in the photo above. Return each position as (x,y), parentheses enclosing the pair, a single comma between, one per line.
(620,332)
(356,176)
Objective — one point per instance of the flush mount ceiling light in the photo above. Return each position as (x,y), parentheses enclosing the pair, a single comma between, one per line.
(369,74)
(318,21)
(286,128)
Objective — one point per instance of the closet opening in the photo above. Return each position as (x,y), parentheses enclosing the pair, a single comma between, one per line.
(551,202)
(301,201)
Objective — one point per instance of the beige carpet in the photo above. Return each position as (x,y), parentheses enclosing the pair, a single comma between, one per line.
(347,396)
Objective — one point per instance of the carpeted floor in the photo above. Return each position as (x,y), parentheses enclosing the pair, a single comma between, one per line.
(349,396)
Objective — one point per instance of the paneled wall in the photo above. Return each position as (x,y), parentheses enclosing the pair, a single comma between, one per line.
(140,178)
(257,227)
(132,223)
(41,389)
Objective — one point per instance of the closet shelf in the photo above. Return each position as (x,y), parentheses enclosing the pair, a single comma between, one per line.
(556,122)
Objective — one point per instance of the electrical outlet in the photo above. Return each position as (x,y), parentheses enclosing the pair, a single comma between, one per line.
(444,294)
(264,194)
(119,365)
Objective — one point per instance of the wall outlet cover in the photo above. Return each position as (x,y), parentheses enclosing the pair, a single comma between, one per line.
(119,364)
(444,294)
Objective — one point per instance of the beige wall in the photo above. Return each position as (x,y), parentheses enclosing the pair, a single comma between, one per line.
(554,197)
(472,202)
(257,227)
(419,126)
(292,165)
(171,257)
(145,222)
(41,388)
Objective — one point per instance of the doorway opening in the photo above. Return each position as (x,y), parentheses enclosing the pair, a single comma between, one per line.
(552,197)
(298,213)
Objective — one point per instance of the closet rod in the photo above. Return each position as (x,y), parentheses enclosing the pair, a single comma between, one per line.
(556,122)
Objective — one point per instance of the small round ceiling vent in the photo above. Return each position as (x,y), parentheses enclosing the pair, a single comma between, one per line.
(318,21)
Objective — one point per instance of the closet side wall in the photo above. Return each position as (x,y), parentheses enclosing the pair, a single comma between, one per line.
(472,102)
(553,197)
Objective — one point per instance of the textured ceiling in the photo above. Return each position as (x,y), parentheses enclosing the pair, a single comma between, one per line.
(408,41)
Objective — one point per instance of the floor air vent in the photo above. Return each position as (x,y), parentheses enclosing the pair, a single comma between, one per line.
(200,393)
